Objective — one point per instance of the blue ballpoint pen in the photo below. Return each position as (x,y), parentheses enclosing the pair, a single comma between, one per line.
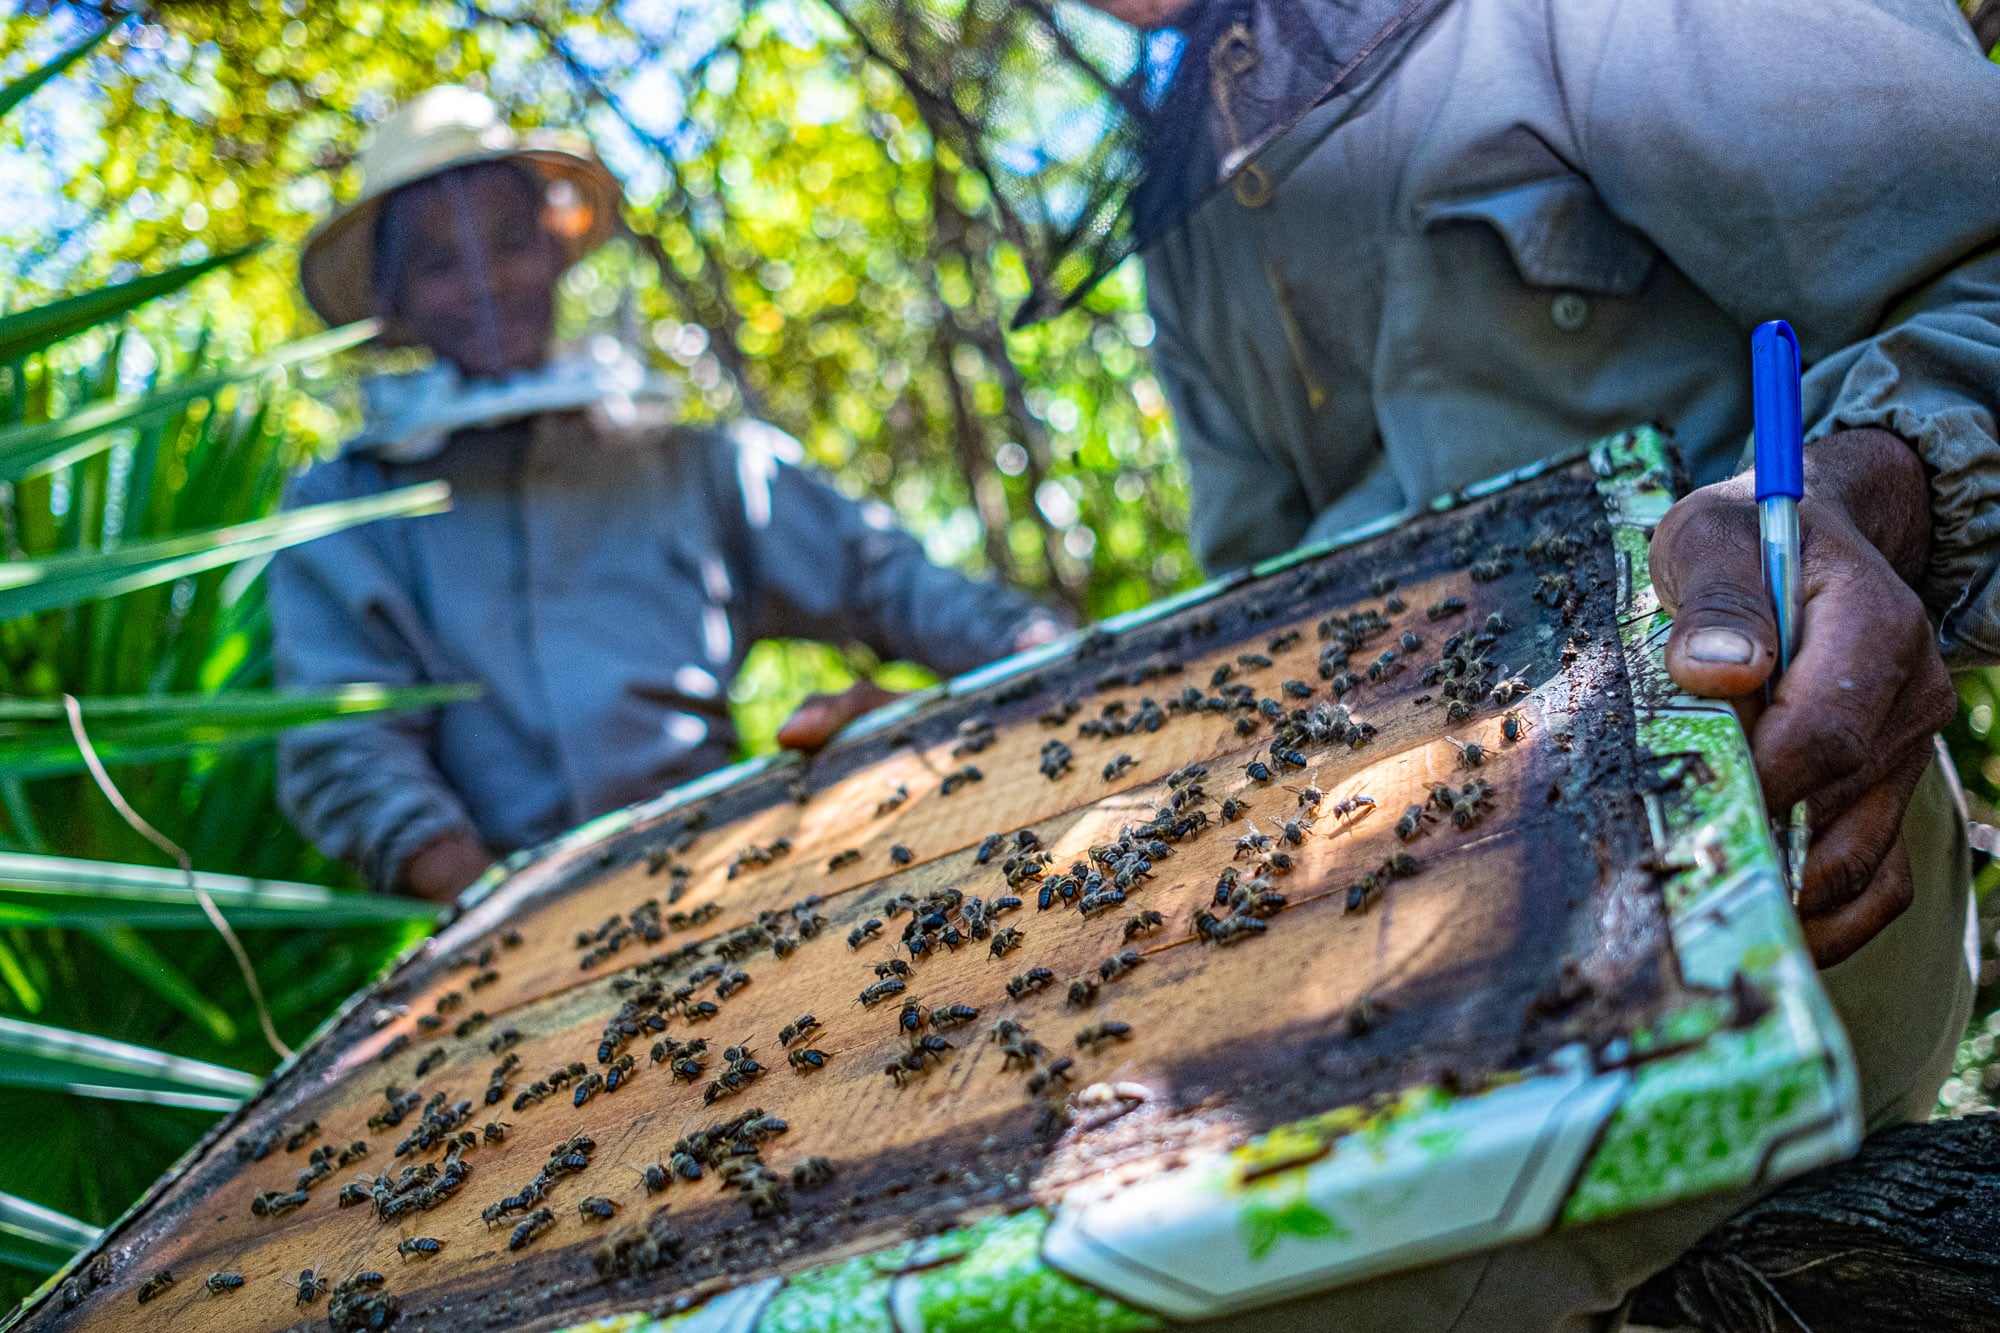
(1780,455)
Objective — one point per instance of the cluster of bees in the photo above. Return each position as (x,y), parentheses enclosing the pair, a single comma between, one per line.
(642,925)
(567,1158)
(358,1303)
(1245,898)
(417,1188)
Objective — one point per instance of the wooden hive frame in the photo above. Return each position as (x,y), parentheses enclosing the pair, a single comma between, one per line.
(1496,996)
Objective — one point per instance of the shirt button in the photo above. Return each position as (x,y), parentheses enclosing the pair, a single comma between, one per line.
(1569,311)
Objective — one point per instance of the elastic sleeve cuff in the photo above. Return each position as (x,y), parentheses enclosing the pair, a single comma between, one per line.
(1954,435)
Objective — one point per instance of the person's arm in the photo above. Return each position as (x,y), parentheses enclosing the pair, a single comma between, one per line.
(364,790)
(1243,504)
(823,566)
(1828,162)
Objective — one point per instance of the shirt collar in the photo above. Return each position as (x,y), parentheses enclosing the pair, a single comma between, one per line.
(408,417)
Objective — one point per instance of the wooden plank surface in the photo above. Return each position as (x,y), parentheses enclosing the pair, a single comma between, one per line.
(1535,923)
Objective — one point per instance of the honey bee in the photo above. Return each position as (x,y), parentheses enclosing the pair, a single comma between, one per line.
(1119,965)
(155,1284)
(912,1017)
(1470,753)
(535,1224)
(1021,1050)
(1351,805)
(1513,726)
(417,1245)
(1294,831)
(864,932)
(805,1059)
(811,1173)
(950,1016)
(653,1178)
(1027,983)
(1231,809)
(1145,923)
(596,1208)
(1257,770)
(799,1027)
(1006,941)
(988,846)
(1290,758)
(1091,1038)
(893,801)
(1448,607)
(218,1283)
(1252,843)
(311,1287)
(1411,824)
(955,780)
(1309,797)
(1082,992)
(880,991)
(1055,1076)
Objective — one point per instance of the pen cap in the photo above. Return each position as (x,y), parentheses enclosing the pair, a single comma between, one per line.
(1780,425)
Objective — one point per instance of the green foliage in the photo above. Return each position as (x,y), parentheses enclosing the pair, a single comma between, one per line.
(138,475)
(798,251)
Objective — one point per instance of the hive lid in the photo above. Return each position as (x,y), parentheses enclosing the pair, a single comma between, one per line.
(1583,994)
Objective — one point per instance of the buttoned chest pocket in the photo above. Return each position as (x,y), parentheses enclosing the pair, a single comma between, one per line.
(1508,318)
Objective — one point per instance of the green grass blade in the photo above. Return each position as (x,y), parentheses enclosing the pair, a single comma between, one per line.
(64,891)
(32,1236)
(31,586)
(24,87)
(34,1055)
(35,739)
(30,330)
(16,978)
(39,446)
(165,980)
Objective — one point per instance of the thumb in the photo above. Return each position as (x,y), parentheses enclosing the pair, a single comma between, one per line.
(811,725)
(1708,571)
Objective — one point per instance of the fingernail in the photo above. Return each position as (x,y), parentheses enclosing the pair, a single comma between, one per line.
(1720,645)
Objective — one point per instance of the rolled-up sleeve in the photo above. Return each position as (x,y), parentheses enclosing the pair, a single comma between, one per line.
(824,566)
(364,790)
(1831,163)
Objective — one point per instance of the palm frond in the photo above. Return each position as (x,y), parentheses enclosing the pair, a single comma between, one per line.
(34,1055)
(37,1237)
(29,586)
(24,87)
(60,891)
(35,739)
(38,446)
(28,331)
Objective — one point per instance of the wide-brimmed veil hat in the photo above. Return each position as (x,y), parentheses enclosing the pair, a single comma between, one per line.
(1098,137)
(442,128)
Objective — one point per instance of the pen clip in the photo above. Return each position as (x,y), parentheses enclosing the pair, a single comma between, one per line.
(1779,415)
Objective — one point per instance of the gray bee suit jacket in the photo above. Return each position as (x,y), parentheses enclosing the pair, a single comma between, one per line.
(602,585)
(1551,219)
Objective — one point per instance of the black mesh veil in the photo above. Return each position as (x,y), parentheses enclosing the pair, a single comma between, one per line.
(1096,137)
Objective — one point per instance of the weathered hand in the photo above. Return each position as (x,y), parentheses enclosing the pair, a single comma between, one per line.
(1850,728)
(820,716)
(441,869)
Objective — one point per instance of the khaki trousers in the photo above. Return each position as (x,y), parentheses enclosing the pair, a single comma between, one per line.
(1905,998)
